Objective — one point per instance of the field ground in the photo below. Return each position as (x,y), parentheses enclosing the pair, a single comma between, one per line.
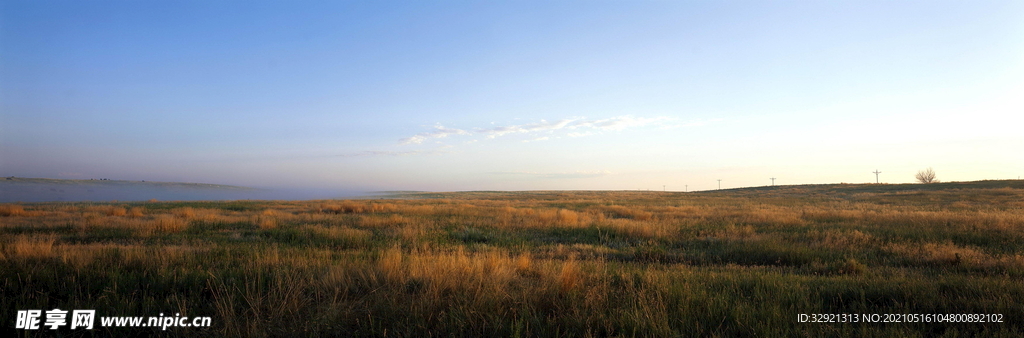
(731,263)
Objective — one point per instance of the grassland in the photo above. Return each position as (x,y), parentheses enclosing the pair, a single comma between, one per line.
(735,263)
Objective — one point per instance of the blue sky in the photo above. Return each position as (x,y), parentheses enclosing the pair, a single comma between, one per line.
(511,95)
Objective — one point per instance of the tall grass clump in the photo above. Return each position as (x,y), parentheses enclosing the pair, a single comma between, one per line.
(31,246)
(12,210)
(169,224)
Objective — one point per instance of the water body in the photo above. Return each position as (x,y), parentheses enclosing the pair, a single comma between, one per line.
(16,189)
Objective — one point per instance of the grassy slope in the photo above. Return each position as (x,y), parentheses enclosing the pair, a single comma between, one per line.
(740,262)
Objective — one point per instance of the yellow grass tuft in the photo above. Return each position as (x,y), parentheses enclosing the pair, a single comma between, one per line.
(354,207)
(116,211)
(524,263)
(412,232)
(561,217)
(12,210)
(169,224)
(186,212)
(32,246)
(391,264)
(637,229)
(940,253)
(378,221)
(135,212)
(350,235)
(264,222)
(421,210)
(620,211)
(569,275)
(838,239)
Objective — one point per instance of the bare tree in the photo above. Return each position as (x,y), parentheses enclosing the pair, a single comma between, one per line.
(926,176)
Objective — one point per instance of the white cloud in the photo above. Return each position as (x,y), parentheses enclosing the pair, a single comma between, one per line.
(439,132)
(575,134)
(525,128)
(579,126)
(618,123)
(375,153)
(560,175)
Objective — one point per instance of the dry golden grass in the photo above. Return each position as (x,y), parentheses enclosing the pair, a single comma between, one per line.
(620,211)
(348,207)
(349,235)
(185,213)
(391,265)
(417,210)
(81,256)
(938,253)
(413,232)
(31,246)
(840,239)
(484,274)
(638,229)
(524,263)
(12,210)
(135,212)
(569,275)
(265,222)
(529,264)
(116,211)
(169,224)
(373,221)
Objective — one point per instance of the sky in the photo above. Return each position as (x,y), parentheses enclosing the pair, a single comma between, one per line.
(512,95)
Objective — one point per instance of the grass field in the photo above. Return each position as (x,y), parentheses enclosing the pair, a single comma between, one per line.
(731,263)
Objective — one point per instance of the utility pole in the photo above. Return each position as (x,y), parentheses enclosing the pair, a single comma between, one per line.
(719,184)
(773,181)
(663,188)
(876,175)
(686,188)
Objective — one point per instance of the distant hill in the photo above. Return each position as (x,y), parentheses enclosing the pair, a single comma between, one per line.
(20,189)
(834,191)
(846,190)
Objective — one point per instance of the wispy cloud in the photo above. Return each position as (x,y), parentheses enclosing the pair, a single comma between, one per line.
(575,134)
(561,175)
(544,138)
(438,132)
(376,153)
(618,123)
(576,126)
(525,128)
